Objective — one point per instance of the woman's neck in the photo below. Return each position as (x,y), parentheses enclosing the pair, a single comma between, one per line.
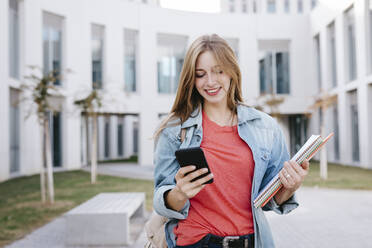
(220,114)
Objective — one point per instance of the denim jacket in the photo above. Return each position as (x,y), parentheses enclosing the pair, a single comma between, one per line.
(263,136)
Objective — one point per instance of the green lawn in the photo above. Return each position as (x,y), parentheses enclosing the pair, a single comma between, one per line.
(21,210)
(132,159)
(339,177)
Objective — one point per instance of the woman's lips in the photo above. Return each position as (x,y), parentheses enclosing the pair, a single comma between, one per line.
(213,92)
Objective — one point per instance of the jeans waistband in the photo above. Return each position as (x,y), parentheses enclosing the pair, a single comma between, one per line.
(245,241)
(213,241)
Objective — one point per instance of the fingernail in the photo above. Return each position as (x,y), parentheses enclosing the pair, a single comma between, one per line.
(205,169)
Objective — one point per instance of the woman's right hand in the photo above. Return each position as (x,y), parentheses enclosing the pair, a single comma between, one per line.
(185,189)
(184,177)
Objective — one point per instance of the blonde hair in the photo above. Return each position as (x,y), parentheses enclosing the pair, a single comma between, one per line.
(187,97)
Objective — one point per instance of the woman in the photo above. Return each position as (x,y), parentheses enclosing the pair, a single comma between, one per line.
(244,149)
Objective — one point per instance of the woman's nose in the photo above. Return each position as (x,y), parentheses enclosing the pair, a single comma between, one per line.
(211,79)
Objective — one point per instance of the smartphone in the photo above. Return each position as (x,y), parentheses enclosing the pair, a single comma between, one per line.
(193,156)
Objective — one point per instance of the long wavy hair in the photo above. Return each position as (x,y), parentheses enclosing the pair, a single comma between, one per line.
(188,98)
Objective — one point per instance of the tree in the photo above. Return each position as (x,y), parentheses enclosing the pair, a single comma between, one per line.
(89,106)
(271,101)
(322,102)
(46,97)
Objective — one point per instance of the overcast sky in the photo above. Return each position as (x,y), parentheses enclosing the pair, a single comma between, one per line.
(192,5)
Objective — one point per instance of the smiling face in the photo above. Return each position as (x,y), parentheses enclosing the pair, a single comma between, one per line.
(211,81)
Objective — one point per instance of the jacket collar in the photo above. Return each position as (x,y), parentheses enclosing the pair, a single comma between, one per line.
(245,114)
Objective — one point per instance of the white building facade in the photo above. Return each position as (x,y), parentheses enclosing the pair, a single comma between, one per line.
(132,52)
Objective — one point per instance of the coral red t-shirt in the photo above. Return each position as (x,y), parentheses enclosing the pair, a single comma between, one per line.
(222,208)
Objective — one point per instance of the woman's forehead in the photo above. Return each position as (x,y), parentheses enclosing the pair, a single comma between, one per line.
(207,60)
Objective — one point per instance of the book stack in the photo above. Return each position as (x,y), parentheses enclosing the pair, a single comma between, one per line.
(307,151)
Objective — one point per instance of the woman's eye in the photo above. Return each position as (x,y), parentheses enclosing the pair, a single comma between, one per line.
(200,75)
(220,72)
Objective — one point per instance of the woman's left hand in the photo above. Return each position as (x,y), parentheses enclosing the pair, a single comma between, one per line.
(292,175)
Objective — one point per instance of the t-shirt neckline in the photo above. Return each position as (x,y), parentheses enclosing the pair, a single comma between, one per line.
(216,126)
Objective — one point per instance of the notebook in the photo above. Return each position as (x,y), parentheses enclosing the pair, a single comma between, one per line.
(307,151)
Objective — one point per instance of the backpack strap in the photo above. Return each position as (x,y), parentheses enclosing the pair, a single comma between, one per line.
(183,134)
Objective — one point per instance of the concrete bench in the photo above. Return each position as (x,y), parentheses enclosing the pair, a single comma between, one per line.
(104,220)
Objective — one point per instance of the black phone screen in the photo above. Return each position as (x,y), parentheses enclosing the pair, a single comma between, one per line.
(193,156)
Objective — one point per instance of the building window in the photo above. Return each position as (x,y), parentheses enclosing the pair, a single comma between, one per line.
(300,7)
(354,126)
(130,58)
(320,111)
(286,6)
(107,137)
(13,39)
(318,61)
(351,66)
(370,118)
(232,8)
(14,130)
(135,137)
(298,132)
(52,46)
(55,128)
(244,6)
(313,3)
(271,6)
(171,52)
(274,73)
(97,56)
(120,136)
(336,133)
(332,62)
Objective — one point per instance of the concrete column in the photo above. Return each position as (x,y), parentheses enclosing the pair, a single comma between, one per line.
(32,45)
(360,37)
(128,136)
(76,83)
(248,49)
(114,57)
(364,125)
(4,92)
(71,138)
(323,59)
(263,7)
(148,85)
(343,117)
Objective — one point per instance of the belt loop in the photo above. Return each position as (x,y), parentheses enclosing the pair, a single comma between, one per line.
(205,241)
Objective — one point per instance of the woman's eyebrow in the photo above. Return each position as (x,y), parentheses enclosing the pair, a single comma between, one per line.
(214,67)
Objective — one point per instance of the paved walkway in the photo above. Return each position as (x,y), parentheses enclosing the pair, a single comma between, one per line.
(325,218)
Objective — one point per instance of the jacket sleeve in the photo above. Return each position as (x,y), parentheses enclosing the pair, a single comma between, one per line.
(166,167)
(279,155)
